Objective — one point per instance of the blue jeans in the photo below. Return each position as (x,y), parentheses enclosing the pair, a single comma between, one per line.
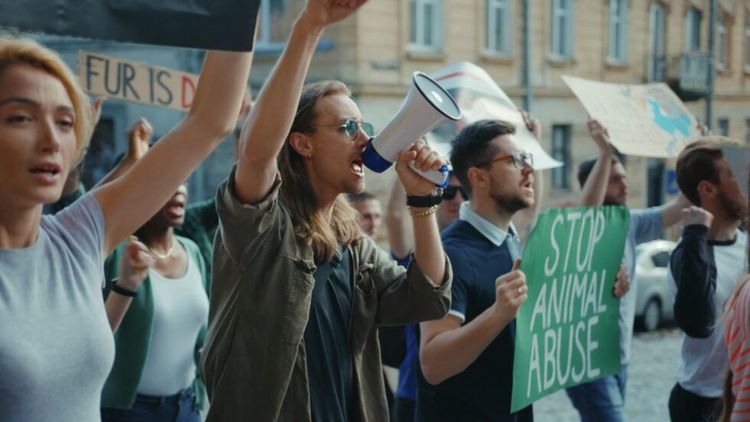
(602,399)
(178,408)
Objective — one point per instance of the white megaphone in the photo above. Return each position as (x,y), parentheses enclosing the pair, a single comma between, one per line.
(426,105)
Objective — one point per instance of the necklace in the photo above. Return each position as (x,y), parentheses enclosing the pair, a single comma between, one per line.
(165,254)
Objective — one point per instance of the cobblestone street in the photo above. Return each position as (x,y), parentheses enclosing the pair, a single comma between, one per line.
(650,379)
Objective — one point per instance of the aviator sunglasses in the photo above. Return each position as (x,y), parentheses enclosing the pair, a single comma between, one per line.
(350,127)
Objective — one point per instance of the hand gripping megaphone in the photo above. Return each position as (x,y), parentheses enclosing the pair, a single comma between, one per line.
(426,105)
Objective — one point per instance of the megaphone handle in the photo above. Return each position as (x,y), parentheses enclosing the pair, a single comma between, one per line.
(438,177)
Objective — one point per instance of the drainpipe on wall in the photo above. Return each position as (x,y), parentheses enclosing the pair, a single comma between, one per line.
(527,99)
(711,62)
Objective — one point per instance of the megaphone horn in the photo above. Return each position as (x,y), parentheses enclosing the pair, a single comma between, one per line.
(426,105)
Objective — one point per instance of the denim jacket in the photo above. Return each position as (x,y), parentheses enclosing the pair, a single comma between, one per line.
(253,360)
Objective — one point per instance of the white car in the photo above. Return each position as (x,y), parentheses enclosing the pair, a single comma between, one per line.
(654,300)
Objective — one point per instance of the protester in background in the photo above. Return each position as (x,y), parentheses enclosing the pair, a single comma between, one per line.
(298,291)
(201,219)
(467,357)
(736,396)
(369,210)
(705,268)
(401,243)
(56,347)
(370,216)
(159,331)
(604,182)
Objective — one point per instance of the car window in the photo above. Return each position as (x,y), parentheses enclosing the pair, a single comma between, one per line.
(661,259)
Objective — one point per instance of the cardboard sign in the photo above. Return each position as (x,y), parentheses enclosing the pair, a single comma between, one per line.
(567,332)
(644,120)
(208,24)
(128,80)
(479,97)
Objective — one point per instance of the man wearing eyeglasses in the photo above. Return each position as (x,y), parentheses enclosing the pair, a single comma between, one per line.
(299,291)
(467,356)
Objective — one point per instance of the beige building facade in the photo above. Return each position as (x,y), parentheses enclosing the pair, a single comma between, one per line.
(623,41)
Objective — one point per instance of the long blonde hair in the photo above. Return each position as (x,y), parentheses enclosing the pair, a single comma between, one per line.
(312,226)
(24,51)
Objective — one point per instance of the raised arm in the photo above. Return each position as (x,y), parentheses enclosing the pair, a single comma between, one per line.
(673,211)
(398,221)
(133,198)
(134,264)
(525,218)
(139,137)
(595,188)
(693,269)
(428,248)
(447,347)
(272,115)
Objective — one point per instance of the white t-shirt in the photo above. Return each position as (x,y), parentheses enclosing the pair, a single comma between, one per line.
(56,347)
(704,361)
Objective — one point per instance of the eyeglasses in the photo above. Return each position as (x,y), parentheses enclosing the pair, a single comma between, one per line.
(351,127)
(519,160)
(450,192)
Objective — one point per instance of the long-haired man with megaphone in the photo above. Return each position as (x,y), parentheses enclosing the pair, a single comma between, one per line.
(298,290)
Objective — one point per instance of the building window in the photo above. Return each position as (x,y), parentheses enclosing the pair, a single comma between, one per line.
(747,48)
(618,31)
(747,131)
(425,24)
(562,29)
(693,30)
(499,26)
(722,47)
(657,68)
(272,30)
(722,125)
(561,152)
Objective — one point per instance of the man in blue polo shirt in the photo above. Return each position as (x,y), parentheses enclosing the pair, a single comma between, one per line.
(467,357)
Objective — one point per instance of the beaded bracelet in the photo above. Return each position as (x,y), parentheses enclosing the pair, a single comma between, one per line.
(423,212)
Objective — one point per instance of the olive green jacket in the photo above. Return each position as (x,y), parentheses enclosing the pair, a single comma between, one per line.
(253,362)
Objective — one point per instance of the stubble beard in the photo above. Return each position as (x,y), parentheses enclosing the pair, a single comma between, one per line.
(509,205)
(735,208)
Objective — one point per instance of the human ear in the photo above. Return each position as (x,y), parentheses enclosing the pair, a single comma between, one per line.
(301,144)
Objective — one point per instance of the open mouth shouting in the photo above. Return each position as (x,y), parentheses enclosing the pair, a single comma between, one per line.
(528,187)
(46,173)
(175,208)
(358,167)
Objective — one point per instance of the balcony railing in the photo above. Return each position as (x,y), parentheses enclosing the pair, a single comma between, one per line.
(694,72)
(687,73)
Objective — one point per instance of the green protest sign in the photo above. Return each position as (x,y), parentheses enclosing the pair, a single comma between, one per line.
(567,331)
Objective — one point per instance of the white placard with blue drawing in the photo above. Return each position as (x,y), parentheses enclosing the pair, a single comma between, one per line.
(643,120)
(479,97)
